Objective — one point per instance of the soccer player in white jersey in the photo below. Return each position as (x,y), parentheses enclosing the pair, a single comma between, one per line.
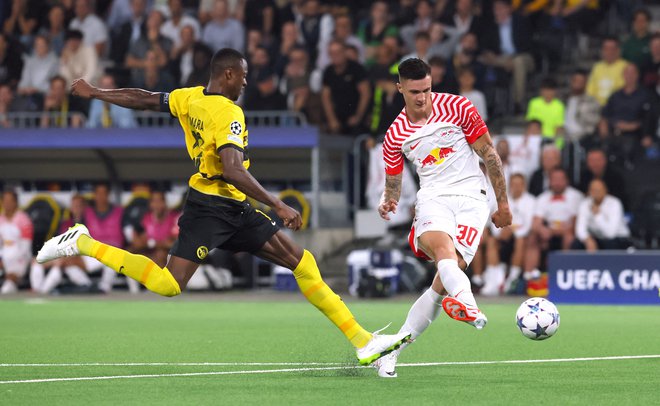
(443,136)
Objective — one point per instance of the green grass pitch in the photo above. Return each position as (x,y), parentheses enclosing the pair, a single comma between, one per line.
(292,332)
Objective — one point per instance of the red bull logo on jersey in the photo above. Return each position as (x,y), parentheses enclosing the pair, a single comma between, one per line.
(437,156)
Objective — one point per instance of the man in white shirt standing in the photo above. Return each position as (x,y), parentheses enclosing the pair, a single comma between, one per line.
(508,244)
(172,27)
(600,223)
(443,136)
(553,227)
(95,33)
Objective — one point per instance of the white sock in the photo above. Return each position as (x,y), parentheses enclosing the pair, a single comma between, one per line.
(53,278)
(422,313)
(8,287)
(514,273)
(456,281)
(107,279)
(37,275)
(77,276)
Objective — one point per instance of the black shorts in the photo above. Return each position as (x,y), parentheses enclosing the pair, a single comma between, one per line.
(211,222)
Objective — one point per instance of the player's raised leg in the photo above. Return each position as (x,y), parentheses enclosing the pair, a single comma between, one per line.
(77,241)
(281,250)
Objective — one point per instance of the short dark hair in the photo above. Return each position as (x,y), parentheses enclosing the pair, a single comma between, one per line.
(582,72)
(73,34)
(535,122)
(414,68)
(57,78)
(226,58)
(437,60)
(548,83)
(422,35)
(645,12)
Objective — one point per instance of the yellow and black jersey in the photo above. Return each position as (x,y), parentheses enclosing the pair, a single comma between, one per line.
(210,122)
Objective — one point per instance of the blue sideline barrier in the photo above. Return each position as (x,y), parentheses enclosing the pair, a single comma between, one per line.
(614,277)
(166,137)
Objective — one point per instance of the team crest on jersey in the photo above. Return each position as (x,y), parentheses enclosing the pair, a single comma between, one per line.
(202,252)
(437,156)
(236,128)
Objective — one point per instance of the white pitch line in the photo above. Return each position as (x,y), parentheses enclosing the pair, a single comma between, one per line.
(173,364)
(284,370)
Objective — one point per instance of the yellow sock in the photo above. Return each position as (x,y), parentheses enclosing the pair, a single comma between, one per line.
(138,267)
(320,295)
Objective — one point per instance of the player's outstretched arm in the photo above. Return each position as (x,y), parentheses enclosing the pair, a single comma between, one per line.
(391,195)
(235,173)
(485,149)
(137,99)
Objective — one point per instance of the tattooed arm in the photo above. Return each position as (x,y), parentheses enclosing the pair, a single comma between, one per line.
(484,148)
(391,195)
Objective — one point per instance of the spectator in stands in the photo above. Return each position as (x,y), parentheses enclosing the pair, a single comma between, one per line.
(295,82)
(651,72)
(55,28)
(152,48)
(155,78)
(466,81)
(582,110)
(178,20)
(387,101)
(466,57)
(78,60)
(223,31)
(130,32)
(524,157)
(441,81)
(581,15)
(61,109)
(464,19)
(507,245)
(23,21)
(201,60)
(120,13)
(104,222)
(503,150)
(16,234)
(607,74)
(553,227)
(6,104)
(106,115)
(315,28)
(421,23)
(550,160)
(181,56)
(507,45)
(343,32)
(629,118)
(266,96)
(38,69)
(11,62)
(373,30)
(158,232)
(289,39)
(95,33)
(422,45)
(444,41)
(597,168)
(346,92)
(74,267)
(600,221)
(549,110)
(259,15)
(635,48)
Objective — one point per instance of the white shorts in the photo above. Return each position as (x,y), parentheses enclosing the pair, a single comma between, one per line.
(91,264)
(462,217)
(16,264)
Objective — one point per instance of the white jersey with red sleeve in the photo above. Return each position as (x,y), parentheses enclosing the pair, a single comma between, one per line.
(440,148)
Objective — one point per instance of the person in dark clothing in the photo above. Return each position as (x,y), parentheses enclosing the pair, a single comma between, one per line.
(201,59)
(597,168)
(11,61)
(266,96)
(442,81)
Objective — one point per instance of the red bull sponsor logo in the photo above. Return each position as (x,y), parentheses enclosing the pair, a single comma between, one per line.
(437,156)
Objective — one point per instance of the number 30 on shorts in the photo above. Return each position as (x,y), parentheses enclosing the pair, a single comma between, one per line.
(466,235)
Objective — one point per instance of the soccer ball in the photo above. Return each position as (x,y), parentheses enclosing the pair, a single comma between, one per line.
(537,318)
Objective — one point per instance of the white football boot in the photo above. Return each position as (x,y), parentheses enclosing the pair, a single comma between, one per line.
(387,364)
(380,345)
(458,310)
(63,245)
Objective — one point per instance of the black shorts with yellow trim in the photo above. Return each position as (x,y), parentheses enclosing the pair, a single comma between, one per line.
(211,222)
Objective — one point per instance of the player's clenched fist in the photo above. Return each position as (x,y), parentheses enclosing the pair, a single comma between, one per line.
(290,217)
(81,88)
(502,217)
(386,207)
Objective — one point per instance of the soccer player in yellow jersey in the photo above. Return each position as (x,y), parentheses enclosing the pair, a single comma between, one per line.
(216,213)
